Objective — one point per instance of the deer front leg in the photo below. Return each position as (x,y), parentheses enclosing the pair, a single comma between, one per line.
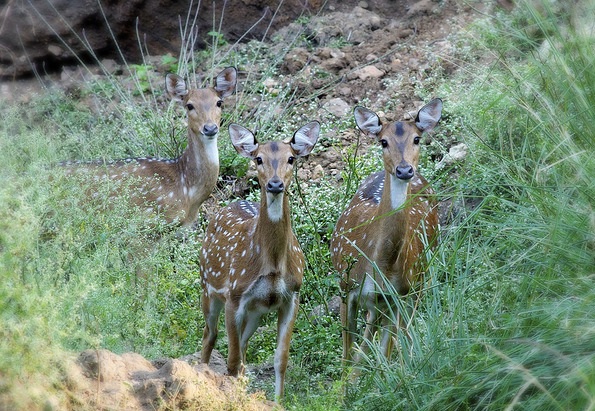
(211,308)
(389,333)
(233,323)
(372,320)
(286,320)
(349,309)
(249,324)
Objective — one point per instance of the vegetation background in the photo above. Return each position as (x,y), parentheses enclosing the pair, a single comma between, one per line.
(508,318)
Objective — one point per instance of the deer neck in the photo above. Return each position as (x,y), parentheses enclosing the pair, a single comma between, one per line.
(273,230)
(199,163)
(393,218)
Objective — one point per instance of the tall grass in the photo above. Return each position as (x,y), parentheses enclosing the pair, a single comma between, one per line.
(507,322)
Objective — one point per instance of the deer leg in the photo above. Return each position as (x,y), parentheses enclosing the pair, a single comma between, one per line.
(247,329)
(285,322)
(372,319)
(349,310)
(392,326)
(232,326)
(211,308)
(389,330)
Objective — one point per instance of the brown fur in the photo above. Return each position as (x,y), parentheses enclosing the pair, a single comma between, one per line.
(175,188)
(388,236)
(251,262)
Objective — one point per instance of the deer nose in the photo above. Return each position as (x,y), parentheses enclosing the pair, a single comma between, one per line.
(405,172)
(275,186)
(210,129)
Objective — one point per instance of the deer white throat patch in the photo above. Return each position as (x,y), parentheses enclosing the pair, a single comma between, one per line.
(398,191)
(275,206)
(210,149)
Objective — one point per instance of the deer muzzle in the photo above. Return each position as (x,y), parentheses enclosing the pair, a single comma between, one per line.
(405,172)
(275,186)
(210,130)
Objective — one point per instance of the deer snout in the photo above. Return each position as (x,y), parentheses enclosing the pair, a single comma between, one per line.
(275,186)
(405,171)
(210,129)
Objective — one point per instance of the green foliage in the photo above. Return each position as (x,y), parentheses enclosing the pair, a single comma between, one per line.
(169,63)
(141,72)
(505,321)
(218,38)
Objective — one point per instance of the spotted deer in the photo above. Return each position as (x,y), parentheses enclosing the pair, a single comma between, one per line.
(378,242)
(251,262)
(175,188)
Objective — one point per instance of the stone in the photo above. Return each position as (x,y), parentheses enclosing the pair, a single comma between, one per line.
(456,154)
(295,60)
(318,172)
(337,107)
(54,50)
(33,33)
(369,72)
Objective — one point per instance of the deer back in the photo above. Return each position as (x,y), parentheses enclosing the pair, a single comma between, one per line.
(172,188)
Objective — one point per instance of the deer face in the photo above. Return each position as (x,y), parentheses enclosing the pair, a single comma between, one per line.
(204,111)
(204,105)
(400,149)
(275,160)
(400,140)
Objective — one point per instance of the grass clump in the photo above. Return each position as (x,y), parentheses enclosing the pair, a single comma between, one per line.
(506,321)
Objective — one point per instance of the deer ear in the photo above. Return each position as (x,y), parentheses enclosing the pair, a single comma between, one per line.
(176,87)
(243,140)
(305,138)
(225,83)
(429,115)
(367,121)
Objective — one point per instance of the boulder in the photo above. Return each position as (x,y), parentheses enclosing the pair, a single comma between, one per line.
(44,35)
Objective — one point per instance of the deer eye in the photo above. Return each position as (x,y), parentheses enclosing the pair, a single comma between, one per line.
(219,103)
(259,161)
(290,160)
(416,140)
(384,143)
(190,107)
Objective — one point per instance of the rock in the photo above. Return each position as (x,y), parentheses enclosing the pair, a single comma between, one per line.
(422,7)
(456,153)
(272,86)
(55,50)
(110,66)
(332,60)
(337,107)
(318,172)
(371,57)
(304,175)
(295,60)
(33,33)
(334,65)
(368,72)
(332,309)
(344,90)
